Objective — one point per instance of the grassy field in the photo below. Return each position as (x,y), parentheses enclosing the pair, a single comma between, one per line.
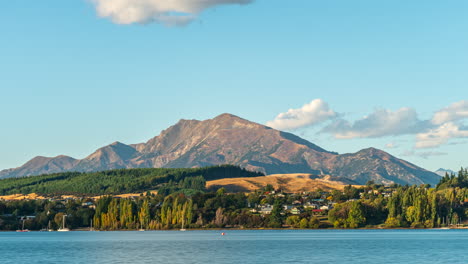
(291,183)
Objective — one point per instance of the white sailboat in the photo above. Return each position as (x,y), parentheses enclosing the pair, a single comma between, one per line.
(22,229)
(183,223)
(63,229)
(91,228)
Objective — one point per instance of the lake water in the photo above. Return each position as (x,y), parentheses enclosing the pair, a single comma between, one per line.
(261,246)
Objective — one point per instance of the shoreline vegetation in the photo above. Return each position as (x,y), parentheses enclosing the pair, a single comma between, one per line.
(171,199)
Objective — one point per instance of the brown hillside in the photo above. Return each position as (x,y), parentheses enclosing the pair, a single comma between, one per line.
(290,183)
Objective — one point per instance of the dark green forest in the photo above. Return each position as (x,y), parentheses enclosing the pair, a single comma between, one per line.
(121,181)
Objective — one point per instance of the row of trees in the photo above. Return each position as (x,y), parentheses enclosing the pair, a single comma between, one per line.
(407,207)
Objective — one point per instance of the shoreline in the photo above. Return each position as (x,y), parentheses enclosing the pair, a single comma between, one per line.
(239,229)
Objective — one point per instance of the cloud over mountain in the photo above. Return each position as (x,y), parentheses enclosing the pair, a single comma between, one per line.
(381,122)
(445,125)
(424,155)
(453,112)
(440,135)
(448,125)
(168,12)
(317,111)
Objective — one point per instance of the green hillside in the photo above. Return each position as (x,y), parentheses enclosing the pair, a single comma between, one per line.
(121,180)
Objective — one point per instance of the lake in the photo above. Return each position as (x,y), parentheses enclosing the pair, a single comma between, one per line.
(237,246)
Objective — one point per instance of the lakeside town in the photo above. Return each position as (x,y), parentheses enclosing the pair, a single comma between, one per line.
(369,206)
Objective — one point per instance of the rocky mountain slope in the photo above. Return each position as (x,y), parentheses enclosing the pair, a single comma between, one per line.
(228,139)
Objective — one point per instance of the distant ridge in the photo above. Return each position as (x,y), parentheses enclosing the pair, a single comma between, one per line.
(229,139)
(441,172)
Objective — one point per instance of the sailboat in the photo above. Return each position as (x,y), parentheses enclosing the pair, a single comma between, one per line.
(63,229)
(91,227)
(49,228)
(22,229)
(183,222)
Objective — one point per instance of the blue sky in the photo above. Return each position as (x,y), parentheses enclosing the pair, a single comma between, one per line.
(75,78)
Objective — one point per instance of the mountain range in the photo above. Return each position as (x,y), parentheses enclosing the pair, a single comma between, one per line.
(228,139)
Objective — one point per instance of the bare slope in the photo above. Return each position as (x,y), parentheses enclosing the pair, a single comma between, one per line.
(290,183)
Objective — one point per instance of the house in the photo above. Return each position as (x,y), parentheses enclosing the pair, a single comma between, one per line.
(295,211)
(27,217)
(287,207)
(317,211)
(387,194)
(325,207)
(266,209)
(311,205)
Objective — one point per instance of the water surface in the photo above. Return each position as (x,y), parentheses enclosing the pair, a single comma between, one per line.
(260,246)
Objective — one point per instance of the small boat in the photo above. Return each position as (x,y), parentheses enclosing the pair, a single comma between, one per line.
(22,229)
(63,229)
(49,228)
(183,222)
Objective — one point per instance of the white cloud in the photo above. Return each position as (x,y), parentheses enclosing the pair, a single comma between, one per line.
(380,123)
(445,126)
(424,155)
(440,135)
(168,12)
(454,112)
(317,111)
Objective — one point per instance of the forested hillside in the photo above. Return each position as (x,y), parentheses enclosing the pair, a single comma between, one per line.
(121,181)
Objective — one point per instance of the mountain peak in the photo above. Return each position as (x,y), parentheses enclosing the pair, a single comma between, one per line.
(63,157)
(226,116)
(372,149)
(374,152)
